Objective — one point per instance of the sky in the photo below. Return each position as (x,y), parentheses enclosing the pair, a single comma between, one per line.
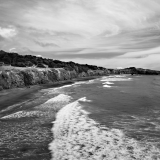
(108,33)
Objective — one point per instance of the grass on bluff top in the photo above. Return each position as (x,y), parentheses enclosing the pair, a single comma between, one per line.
(9,68)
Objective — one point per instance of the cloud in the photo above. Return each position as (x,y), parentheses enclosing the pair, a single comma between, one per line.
(8,32)
(12,50)
(84,31)
(1,38)
(39,55)
(46,44)
(141,54)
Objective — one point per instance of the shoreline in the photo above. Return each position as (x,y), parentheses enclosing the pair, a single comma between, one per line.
(28,128)
(9,97)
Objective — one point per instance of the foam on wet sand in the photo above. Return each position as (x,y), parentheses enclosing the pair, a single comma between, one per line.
(55,103)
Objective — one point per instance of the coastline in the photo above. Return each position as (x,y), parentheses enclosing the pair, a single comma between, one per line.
(31,125)
(12,96)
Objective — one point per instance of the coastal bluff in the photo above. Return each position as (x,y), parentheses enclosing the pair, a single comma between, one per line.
(13,77)
(18,77)
(25,70)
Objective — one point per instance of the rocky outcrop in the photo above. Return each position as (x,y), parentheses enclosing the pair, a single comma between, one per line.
(13,78)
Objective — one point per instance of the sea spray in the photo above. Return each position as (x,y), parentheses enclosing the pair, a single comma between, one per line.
(77,137)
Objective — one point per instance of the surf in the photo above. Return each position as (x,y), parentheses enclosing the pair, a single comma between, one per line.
(78,137)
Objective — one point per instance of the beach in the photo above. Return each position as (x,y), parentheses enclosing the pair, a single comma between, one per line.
(26,120)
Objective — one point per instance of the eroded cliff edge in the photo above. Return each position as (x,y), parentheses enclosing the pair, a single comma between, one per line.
(18,77)
(25,70)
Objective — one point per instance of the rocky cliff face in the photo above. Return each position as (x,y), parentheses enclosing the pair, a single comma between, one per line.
(13,78)
(23,77)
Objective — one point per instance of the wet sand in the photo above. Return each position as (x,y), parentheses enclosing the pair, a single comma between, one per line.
(18,95)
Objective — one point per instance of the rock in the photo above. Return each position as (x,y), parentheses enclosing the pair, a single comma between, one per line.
(31,76)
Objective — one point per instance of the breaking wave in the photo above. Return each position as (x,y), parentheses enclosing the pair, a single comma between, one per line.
(116,79)
(54,104)
(107,86)
(77,137)
(108,82)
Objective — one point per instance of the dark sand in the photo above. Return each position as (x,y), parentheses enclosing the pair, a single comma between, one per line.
(27,138)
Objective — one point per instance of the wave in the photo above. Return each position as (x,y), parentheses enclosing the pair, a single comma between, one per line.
(108,82)
(59,98)
(14,106)
(106,86)
(53,104)
(84,99)
(80,82)
(22,114)
(58,89)
(116,79)
(76,84)
(56,103)
(65,86)
(121,76)
(85,82)
(77,137)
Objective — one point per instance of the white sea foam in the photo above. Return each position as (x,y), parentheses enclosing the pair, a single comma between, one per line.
(56,103)
(116,79)
(22,114)
(84,99)
(83,82)
(108,82)
(59,98)
(59,89)
(120,75)
(65,86)
(107,86)
(77,137)
(91,81)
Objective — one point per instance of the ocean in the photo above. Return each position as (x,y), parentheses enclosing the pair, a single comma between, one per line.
(114,117)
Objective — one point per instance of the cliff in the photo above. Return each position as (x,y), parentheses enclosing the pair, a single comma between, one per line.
(23,70)
(13,77)
(18,77)
(18,70)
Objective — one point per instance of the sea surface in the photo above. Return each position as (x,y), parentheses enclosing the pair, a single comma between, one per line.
(110,118)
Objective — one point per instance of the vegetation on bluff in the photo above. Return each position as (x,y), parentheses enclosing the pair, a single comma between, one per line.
(17,60)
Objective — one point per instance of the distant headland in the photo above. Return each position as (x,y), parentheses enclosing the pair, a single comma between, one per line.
(25,70)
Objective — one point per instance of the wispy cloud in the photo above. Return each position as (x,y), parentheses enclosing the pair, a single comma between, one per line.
(46,44)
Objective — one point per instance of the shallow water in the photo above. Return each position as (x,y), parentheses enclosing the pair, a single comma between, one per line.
(128,109)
